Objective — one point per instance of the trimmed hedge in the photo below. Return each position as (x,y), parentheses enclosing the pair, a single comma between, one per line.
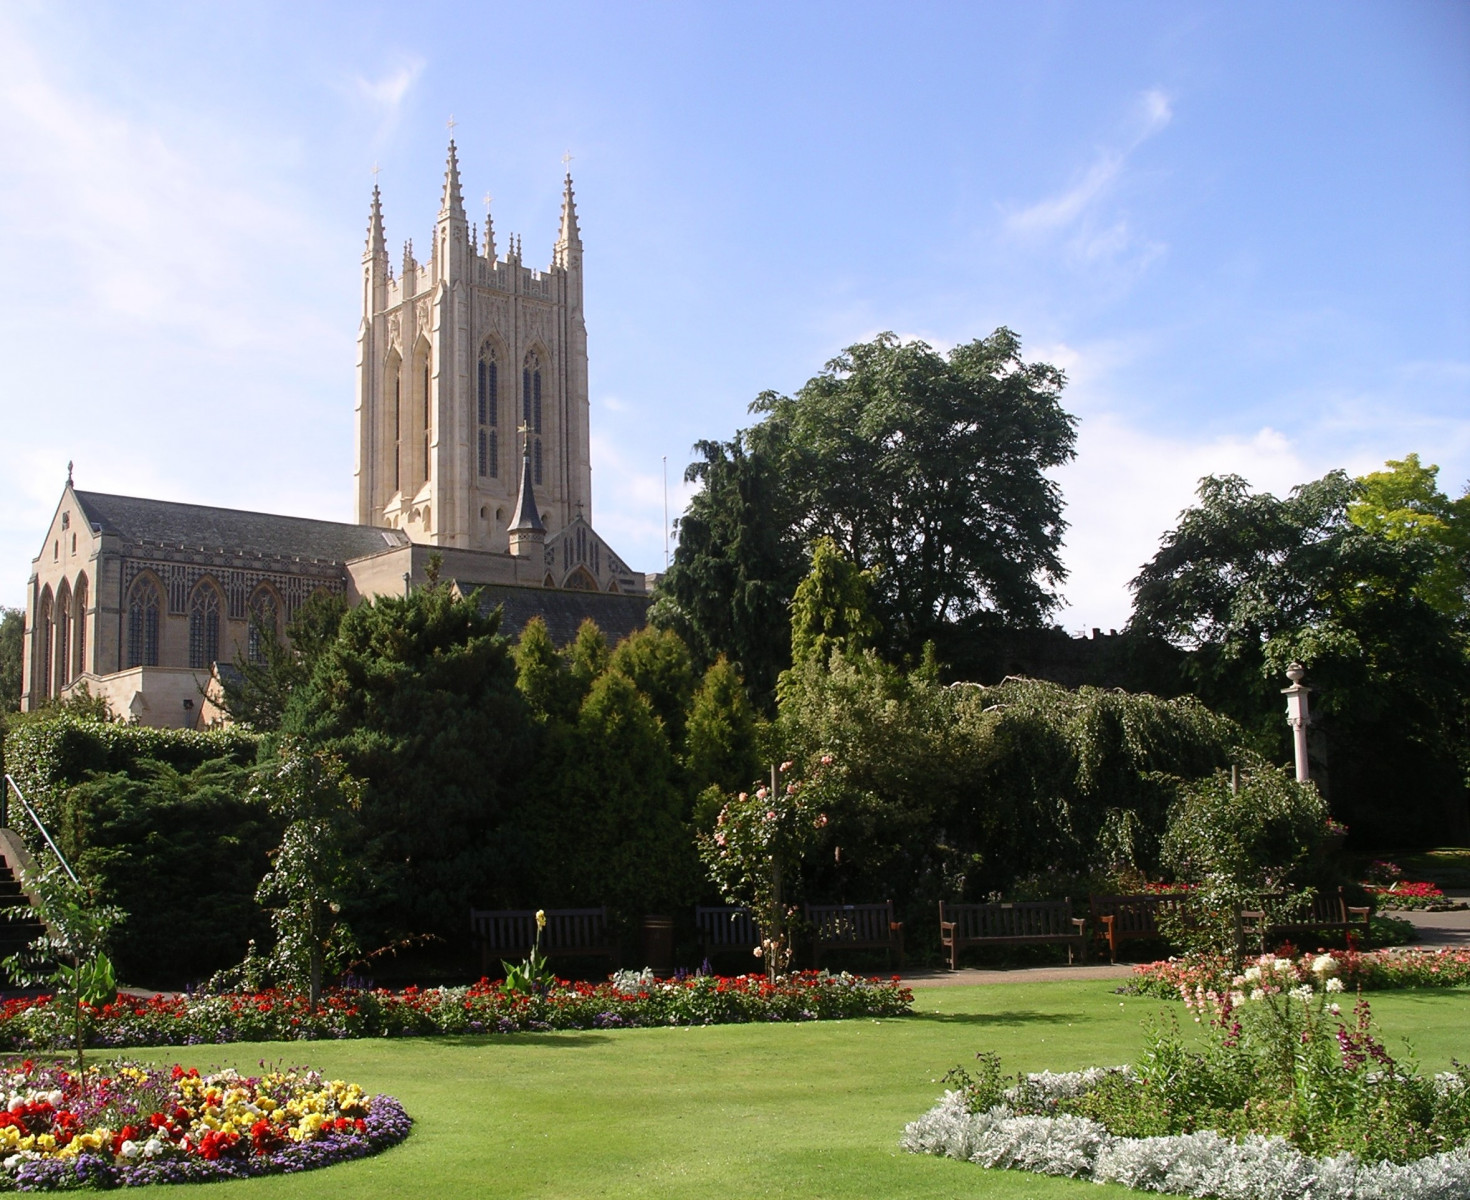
(48,754)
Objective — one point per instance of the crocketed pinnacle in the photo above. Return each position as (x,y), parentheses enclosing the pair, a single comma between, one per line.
(453,203)
(376,244)
(570,236)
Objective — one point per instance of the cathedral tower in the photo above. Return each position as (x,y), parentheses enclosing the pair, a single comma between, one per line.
(455,356)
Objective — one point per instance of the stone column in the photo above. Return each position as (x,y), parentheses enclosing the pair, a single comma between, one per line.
(1298,716)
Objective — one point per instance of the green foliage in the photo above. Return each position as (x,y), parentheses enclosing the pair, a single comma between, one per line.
(930,469)
(182,853)
(831,609)
(12,646)
(657,663)
(52,751)
(541,674)
(1404,503)
(417,698)
(1263,835)
(533,977)
(312,873)
(257,693)
(1251,583)
(722,739)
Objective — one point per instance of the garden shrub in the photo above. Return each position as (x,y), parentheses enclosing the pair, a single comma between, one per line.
(181,854)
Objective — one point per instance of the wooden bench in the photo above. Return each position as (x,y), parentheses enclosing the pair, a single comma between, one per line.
(1329,913)
(569,933)
(854,927)
(1030,922)
(1130,918)
(725,929)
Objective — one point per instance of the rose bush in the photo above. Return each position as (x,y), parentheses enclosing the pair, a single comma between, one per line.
(485,1007)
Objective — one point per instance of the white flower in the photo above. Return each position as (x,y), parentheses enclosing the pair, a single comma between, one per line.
(54,1098)
(1257,994)
(1334,985)
(1324,964)
(1237,998)
(1303,993)
(1335,1009)
(17,1102)
(130,1149)
(152,1148)
(1252,974)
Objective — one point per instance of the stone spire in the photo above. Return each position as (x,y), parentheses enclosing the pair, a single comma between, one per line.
(377,245)
(489,231)
(526,530)
(453,203)
(569,240)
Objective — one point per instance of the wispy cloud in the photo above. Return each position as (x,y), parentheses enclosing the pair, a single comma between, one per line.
(1074,214)
(385,95)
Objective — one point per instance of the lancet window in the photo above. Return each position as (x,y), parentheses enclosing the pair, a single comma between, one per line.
(144,603)
(63,637)
(46,626)
(488,411)
(204,613)
(428,416)
(79,602)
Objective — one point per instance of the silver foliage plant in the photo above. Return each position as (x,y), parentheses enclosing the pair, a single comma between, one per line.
(1197,1164)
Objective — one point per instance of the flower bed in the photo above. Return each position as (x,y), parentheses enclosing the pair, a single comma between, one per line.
(1376,970)
(1282,1097)
(1408,896)
(128,1125)
(483,1008)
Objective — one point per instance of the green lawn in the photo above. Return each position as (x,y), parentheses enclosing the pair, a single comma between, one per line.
(736,1110)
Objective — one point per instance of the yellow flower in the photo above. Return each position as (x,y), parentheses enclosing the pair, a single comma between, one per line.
(540,919)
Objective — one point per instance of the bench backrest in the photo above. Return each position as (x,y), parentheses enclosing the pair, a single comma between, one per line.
(1133,913)
(567,929)
(727,925)
(851,922)
(1031,918)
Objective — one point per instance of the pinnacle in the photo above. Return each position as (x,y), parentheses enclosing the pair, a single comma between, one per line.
(376,243)
(453,204)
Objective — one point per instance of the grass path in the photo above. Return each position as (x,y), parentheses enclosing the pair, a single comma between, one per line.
(732,1111)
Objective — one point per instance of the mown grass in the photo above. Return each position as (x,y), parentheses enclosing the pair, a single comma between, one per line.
(810,1110)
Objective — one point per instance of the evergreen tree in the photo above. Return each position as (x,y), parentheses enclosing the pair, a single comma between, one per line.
(721,743)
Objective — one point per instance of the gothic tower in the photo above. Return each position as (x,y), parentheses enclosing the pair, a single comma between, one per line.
(466,362)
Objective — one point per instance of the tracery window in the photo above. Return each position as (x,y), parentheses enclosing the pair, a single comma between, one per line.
(488,412)
(538,460)
(531,392)
(397,432)
(144,603)
(263,624)
(204,609)
(427,417)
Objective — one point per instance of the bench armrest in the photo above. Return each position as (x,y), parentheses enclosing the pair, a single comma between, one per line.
(1081,923)
(1359,912)
(947,926)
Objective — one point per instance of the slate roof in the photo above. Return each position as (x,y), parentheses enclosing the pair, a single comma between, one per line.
(233,530)
(564,610)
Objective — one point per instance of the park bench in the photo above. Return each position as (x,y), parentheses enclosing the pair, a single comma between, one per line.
(1329,913)
(569,933)
(854,927)
(725,929)
(1028,922)
(1119,919)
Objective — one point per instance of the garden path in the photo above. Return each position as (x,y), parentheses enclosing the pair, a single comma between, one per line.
(971,976)
(1451,929)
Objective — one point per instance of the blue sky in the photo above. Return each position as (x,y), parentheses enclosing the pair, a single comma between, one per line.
(1243,230)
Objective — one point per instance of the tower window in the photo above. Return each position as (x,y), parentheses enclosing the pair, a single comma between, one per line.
(536,399)
(427,419)
(538,460)
(484,454)
(397,432)
(488,405)
(494,393)
(494,454)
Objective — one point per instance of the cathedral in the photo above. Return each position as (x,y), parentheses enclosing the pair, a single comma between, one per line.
(471,423)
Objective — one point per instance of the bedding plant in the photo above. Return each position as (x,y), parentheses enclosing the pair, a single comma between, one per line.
(486,1007)
(1279,1068)
(130,1124)
(1377,970)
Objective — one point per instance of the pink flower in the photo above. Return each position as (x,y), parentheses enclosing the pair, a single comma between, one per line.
(787,765)
(760,793)
(826,760)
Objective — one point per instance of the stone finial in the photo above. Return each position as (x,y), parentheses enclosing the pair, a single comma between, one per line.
(376,243)
(452,205)
(1296,672)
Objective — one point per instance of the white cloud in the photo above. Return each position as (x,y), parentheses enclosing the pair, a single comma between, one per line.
(385,95)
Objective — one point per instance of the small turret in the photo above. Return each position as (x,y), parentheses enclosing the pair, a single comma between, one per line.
(377,245)
(527,533)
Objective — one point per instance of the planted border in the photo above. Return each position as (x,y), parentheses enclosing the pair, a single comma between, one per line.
(37,1024)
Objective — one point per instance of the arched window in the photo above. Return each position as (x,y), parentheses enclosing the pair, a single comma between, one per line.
(397,432)
(46,627)
(63,637)
(79,602)
(538,460)
(531,392)
(536,400)
(144,603)
(428,417)
(264,627)
(204,609)
(494,454)
(488,411)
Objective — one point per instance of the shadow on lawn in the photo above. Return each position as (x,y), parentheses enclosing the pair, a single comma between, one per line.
(565,1039)
(1008,1017)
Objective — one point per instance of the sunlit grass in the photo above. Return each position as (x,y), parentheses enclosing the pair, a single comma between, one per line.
(733,1111)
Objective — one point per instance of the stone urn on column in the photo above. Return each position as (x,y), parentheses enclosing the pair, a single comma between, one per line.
(1299,717)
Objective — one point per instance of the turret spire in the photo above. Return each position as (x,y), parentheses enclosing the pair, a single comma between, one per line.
(526,530)
(453,204)
(376,243)
(570,237)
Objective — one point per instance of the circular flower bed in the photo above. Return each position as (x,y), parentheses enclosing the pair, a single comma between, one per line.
(129,1124)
